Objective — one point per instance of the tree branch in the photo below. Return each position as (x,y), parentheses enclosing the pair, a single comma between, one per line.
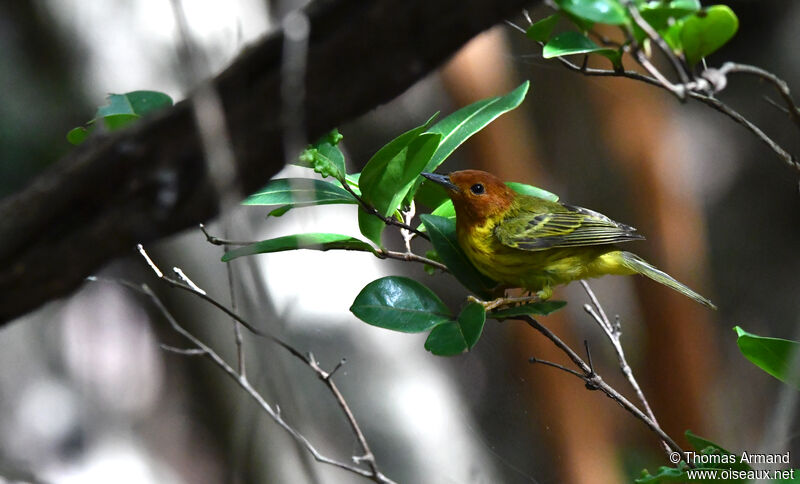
(199,348)
(151,180)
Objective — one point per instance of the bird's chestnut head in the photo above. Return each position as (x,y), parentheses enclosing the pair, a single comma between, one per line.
(477,195)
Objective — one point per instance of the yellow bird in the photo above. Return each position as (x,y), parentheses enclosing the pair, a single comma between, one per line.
(537,244)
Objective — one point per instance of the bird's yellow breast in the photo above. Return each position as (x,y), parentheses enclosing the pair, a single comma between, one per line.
(534,270)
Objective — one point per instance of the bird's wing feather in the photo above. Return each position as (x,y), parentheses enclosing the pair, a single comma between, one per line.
(566,226)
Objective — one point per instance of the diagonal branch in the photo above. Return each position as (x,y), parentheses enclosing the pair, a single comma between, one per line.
(202,349)
(151,180)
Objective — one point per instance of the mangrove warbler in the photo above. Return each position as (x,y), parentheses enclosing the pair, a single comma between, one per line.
(536,244)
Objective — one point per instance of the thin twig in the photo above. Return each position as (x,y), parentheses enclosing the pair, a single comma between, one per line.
(387,220)
(533,359)
(411,257)
(654,36)
(613,332)
(780,85)
(594,381)
(712,102)
(237,330)
(241,379)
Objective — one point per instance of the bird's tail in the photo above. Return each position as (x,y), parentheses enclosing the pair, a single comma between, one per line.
(641,266)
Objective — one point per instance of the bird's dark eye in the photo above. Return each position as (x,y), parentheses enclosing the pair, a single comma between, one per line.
(477,189)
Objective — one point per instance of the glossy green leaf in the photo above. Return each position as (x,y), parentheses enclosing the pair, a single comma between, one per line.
(442,232)
(571,43)
(471,321)
(446,339)
(430,194)
(462,124)
(390,173)
(663,17)
(313,241)
(691,5)
(540,31)
(602,11)
(352,182)
(324,156)
(400,304)
(541,308)
(778,357)
(298,192)
(582,24)
(454,337)
(706,31)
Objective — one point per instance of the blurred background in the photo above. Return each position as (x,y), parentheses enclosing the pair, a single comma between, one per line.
(87,395)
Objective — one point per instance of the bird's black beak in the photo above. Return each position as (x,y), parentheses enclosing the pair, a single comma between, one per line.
(442,180)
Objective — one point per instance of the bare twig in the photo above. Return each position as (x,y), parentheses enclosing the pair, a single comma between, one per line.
(709,82)
(614,332)
(563,368)
(411,257)
(712,102)
(780,85)
(595,382)
(241,379)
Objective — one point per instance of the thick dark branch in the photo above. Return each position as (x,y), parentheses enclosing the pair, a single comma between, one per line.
(150,181)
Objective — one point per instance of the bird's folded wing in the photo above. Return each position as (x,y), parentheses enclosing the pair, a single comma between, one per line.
(573,227)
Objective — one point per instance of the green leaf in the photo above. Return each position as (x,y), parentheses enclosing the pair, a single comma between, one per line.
(703,447)
(446,339)
(400,304)
(691,5)
(454,337)
(324,156)
(778,357)
(706,31)
(665,474)
(602,11)
(443,237)
(134,102)
(582,24)
(313,241)
(430,194)
(662,17)
(145,102)
(298,192)
(571,43)
(462,124)
(540,31)
(77,135)
(532,191)
(432,255)
(541,308)
(121,110)
(471,321)
(114,122)
(390,173)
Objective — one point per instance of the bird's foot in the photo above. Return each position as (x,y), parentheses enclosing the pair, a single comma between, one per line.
(501,302)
